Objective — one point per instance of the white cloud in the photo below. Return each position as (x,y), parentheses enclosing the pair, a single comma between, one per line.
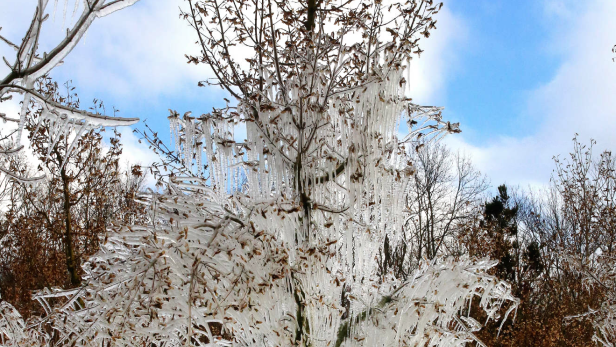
(514,161)
(137,53)
(135,152)
(10,108)
(133,54)
(581,98)
(429,72)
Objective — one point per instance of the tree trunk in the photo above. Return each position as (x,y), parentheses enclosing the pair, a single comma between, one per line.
(69,251)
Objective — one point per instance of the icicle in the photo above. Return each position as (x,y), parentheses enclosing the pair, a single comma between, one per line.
(57,133)
(64,13)
(83,127)
(24,110)
(55,7)
(75,8)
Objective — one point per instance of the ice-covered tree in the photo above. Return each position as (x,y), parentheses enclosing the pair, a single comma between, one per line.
(30,64)
(603,276)
(267,229)
(585,190)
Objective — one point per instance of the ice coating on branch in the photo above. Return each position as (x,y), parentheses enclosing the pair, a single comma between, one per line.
(12,326)
(218,276)
(601,273)
(426,311)
(113,6)
(15,332)
(605,324)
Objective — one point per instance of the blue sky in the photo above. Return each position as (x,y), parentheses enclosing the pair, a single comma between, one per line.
(522,77)
(505,55)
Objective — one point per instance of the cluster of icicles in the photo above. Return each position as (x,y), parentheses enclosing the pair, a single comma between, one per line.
(601,273)
(62,123)
(354,168)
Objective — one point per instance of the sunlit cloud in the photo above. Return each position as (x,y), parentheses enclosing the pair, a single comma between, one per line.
(579,99)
